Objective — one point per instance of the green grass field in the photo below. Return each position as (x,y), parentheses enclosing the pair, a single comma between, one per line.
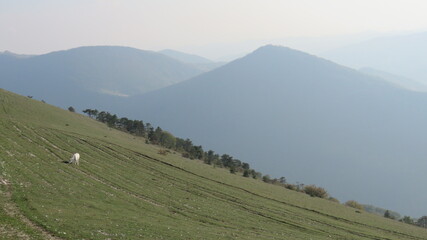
(123,189)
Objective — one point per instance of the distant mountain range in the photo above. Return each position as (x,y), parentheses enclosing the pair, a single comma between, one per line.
(400,81)
(91,75)
(201,63)
(402,55)
(296,115)
(185,57)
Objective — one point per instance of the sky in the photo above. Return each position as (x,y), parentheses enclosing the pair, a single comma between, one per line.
(213,29)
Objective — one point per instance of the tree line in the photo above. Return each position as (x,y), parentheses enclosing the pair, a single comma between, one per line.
(158,136)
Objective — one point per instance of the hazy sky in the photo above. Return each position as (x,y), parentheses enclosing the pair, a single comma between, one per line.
(206,27)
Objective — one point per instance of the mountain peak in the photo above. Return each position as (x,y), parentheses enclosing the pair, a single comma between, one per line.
(273,57)
(278,50)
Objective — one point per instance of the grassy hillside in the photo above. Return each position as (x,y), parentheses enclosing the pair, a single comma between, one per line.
(123,189)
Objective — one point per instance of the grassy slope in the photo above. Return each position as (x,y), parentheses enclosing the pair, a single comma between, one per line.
(124,190)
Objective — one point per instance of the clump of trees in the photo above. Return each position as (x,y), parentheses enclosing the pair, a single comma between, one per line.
(158,136)
(407,220)
(187,149)
(387,214)
(315,191)
(381,211)
(420,222)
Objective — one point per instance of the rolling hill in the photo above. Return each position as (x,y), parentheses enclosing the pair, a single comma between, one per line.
(124,189)
(96,74)
(292,114)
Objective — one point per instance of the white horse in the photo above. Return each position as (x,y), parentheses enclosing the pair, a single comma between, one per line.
(75,159)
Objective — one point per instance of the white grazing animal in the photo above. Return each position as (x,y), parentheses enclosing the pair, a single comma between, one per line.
(75,159)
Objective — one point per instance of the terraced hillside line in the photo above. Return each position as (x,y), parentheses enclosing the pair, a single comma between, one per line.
(113,151)
(289,204)
(232,200)
(97,178)
(105,147)
(40,136)
(105,182)
(101,180)
(13,211)
(357,233)
(295,206)
(290,224)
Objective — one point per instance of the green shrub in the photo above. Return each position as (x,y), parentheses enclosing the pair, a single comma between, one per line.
(266,178)
(315,191)
(291,186)
(387,214)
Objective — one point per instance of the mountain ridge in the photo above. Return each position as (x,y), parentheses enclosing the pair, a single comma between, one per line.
(185,57)
(303,108)
(400,55)
(98,73)
(202,63)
